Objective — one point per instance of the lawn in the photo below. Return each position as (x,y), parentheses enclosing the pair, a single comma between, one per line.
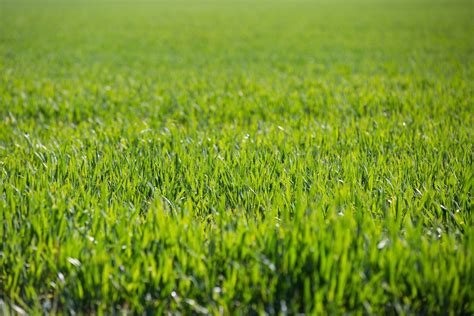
(236,157)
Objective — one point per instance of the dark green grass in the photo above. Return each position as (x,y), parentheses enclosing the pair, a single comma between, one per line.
(236,157)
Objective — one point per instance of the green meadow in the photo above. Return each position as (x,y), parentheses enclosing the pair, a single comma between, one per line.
(236,157)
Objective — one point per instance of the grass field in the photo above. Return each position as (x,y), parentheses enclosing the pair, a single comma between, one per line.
(233,157)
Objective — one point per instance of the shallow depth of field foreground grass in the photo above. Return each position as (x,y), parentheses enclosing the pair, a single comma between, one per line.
(236,157)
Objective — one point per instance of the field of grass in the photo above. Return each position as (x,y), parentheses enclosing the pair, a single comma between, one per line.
(236,157)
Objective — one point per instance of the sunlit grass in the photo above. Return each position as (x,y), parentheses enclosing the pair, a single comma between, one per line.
(228,157)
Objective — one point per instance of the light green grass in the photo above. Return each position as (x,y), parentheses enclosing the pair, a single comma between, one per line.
(236,157)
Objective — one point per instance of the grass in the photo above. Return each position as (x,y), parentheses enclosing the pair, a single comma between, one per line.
(236,158)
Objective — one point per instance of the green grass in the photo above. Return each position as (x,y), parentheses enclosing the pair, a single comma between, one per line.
(236,157)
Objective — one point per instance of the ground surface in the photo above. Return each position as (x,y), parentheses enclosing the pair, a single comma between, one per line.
(232,156)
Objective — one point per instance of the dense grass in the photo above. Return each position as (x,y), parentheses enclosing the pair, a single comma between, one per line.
(236,157)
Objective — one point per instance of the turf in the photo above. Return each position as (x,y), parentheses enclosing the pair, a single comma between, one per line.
(232,157)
